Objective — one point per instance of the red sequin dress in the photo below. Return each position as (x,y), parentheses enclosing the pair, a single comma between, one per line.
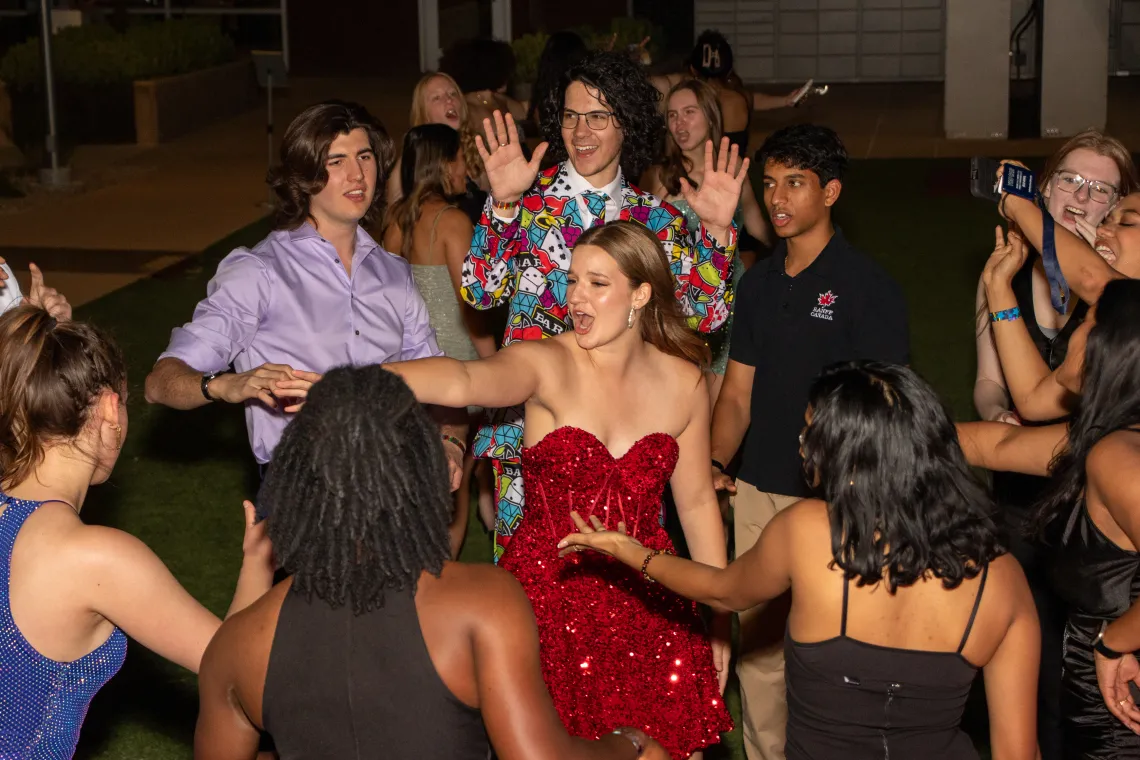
(616,650)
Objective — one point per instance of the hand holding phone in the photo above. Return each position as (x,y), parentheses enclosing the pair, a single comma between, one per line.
(1015,180)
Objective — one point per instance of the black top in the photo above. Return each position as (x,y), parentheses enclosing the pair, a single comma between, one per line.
(1052,350)
(851,699)
(346,686)
(843,307)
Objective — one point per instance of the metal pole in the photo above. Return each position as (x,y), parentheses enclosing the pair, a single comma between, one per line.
(166,9)
(269,123)
(285,34)
(56,175)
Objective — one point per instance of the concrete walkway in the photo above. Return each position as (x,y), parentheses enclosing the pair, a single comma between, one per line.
(138,211)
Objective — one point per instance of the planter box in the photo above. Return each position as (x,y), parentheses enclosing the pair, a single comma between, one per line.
(84,114)
(172,106)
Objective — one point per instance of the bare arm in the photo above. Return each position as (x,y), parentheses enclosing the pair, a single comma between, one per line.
(733,412)
(1011,680)
(521,721)
(507,378)
(1011,448)
(754,220)
(455,233)
(1085,271)
(991,399)
(224,730)
(693,489)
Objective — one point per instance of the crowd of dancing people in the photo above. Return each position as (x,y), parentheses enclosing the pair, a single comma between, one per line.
(592,334)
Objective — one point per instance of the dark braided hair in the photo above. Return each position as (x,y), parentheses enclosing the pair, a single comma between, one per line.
(358,491)
(624,87)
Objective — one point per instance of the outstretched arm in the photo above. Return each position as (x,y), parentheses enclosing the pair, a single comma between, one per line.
(504,379)
(1011,448)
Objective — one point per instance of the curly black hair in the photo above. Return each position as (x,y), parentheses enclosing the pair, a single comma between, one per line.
(479,64)
(901,497)
(806,146)
(623,86)
(358,491)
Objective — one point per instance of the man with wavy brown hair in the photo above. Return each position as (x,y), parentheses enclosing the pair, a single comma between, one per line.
(318,292)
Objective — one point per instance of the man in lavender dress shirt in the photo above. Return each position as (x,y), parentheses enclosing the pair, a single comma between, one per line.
(317,293)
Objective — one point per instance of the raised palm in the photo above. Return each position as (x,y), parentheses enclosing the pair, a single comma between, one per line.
(715,201)
(508,172)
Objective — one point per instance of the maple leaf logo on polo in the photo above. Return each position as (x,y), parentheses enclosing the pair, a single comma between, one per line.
(822,311)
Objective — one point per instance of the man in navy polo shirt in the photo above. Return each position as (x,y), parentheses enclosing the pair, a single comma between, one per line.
(816,301)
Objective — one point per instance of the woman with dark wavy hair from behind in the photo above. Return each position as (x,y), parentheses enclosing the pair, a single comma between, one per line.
(377,640)
(901,589)
(1089,518)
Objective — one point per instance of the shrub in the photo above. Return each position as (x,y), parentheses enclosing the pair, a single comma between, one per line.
(95,54)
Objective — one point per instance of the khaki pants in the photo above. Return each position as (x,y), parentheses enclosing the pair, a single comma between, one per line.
(760,667)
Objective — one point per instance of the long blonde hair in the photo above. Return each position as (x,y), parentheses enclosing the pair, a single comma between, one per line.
(419,116)
(641,258)
(674,164)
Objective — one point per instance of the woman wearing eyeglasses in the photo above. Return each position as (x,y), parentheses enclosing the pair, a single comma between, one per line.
(1080,185)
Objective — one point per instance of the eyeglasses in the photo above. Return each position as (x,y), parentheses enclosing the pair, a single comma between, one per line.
(595,120)
(1101,192)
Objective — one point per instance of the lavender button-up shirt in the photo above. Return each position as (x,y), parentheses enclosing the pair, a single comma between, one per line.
(289,301)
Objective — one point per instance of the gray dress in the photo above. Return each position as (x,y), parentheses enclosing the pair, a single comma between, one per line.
(444,310)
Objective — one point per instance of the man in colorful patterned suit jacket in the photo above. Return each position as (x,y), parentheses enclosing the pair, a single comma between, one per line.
(605,128)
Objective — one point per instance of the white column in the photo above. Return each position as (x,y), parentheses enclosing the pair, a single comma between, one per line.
(976,90)
(501,19)
(429,35)
(1074,69)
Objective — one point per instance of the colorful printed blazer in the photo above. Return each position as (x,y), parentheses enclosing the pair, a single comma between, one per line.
(525,262)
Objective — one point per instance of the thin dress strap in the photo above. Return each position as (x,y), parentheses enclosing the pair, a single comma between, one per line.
(977,603)
(843,620)
(434,224)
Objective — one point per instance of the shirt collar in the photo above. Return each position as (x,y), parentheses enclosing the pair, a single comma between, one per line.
(823,263)
(579,184)
(365,244)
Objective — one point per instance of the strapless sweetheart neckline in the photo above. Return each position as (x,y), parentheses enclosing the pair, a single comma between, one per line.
(643,439)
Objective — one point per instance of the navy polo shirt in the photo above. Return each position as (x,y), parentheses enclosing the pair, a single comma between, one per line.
(843,307)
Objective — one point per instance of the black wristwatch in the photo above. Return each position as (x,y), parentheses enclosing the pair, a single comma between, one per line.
(206,378)
(1100,647)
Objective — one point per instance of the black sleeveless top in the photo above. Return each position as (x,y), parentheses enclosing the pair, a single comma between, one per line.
(859,701)
(348,686)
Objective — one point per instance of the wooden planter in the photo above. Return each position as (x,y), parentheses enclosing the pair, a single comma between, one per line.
(172,106)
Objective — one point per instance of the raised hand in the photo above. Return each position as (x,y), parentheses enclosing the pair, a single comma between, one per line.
(715,201)
(48,299)
(3,274)
(508,172)
(255,545)
(1007,258)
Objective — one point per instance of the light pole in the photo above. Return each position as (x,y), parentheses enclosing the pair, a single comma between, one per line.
(56,175)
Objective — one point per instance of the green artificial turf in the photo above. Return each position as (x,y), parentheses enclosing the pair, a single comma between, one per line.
(182,475)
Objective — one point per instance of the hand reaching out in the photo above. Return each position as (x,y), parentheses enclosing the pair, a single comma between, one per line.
(1007,258)
(715,201)
(508,172)
(293,392)
(595,536)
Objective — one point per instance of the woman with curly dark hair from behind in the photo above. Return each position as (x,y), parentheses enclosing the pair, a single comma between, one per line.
(603,130)
(900,587)
(377,641)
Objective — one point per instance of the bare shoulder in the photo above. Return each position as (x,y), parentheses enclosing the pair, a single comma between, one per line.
(686,379)
(455,220)
(1117,452)
(477,587)
(809,519)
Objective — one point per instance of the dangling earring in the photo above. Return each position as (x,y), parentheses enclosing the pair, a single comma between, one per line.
(629,322)
(119,433)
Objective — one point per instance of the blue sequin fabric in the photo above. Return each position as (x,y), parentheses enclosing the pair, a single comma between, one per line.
(42,702)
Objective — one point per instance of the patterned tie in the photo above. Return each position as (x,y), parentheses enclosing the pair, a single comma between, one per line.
(596,203)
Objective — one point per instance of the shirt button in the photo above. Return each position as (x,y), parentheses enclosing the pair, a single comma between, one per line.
(358,332)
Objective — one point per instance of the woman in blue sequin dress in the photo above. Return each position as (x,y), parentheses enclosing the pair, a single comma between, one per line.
(70,593)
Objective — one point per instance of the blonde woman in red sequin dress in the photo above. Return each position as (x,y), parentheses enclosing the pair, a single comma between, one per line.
(614,411)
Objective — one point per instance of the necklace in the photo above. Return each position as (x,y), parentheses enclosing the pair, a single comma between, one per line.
(481,97)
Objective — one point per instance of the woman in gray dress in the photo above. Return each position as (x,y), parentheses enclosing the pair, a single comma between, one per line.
(434,236)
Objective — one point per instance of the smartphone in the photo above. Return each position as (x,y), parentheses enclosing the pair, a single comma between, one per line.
(1015,180)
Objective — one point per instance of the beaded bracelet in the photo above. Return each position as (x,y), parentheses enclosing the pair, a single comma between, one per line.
(457,442)
(645,564)
(1006,315)
(506,206)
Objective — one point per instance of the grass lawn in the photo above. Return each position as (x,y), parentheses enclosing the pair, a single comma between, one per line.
(182,475)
